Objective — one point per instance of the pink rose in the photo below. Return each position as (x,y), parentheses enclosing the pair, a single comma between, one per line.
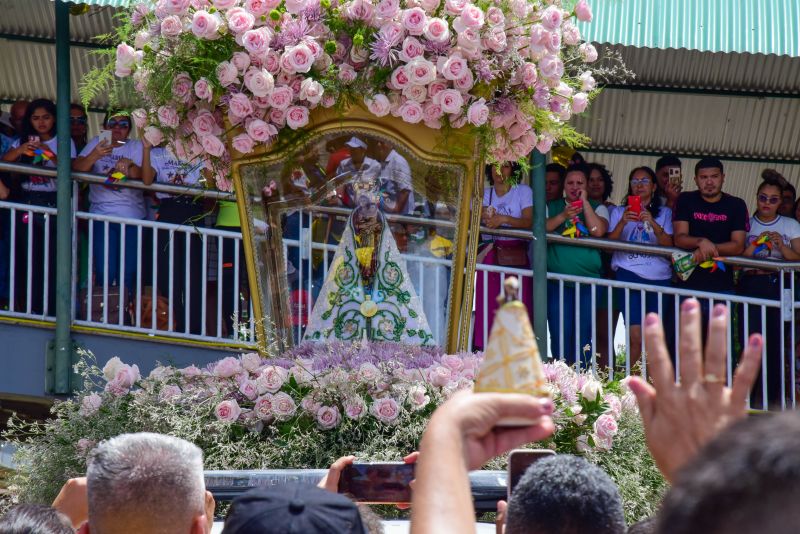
(259,81)
(450,100)
(614,405)
(478,113)
(392,32)
(454,7)
(439,376)
(126,58)
(228,411)
(605,427)
(583,12)
(192,370)
(570,34)
(202,89)
(272,62)
(579,102)
(528,74)
(263,407)
(414,20)
(582,443)
(420,71)
(385,410)
(212,145)
(182,87)
(417,93)
(553,42)
(387,9)
(171,26)
(466,82)
(587,81)
(520,8)
(299,58)
(295,6)
(241,60)
(272,377)
(90,405)
(204,123)
(277,117)
(281,97)
(431,112)
(310,404)
(469,43)
(437,30)
(257,130)
(399,78)
(453,67)
(411,112)
(367,372)
(378,105)
(248,389)
(552,17)
(545,144)
(311,91)
(347,74)
(417,396)
(139,117)
(296,117)
(354,407)
(153,135)
(224,5)
(495,17)
(227,367)
(411,49)
(175,7)
(257,41)
(552,67)
(471,17)
(359,10)
(328,417)
(259,7)
(495,39)
(436,87)
(205,25)
(283,406)
(588,52)
(239,20)
(227,73)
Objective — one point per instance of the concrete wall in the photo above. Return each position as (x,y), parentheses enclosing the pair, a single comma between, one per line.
(23,350)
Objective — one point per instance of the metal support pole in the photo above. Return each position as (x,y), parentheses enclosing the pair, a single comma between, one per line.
(539,245)
(60,364)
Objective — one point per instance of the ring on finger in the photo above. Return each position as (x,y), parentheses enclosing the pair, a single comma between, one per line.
(711,378)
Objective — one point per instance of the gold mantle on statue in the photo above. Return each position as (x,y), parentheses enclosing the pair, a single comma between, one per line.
(294,203)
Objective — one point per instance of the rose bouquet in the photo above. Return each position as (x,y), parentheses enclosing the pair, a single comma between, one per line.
(512,70)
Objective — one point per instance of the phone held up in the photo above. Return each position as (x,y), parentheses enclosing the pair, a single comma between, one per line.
(105,137)
(518,462)
(378,483)
(675,177)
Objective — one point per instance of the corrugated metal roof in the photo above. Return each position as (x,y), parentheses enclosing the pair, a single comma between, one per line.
(690,69)
(754,26)
(36,18)
(764,128)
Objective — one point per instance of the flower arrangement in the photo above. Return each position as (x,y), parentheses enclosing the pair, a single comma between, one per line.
(512,70)
(303,410)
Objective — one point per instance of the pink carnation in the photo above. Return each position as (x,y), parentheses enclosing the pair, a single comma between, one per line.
(228,411)
(385,410)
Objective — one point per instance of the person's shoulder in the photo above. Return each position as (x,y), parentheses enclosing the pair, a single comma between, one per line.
(523,188)
(90,145)
(790,224)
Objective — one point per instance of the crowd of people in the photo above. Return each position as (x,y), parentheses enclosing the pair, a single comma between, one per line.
(28,135)
(728,472)
(707,222)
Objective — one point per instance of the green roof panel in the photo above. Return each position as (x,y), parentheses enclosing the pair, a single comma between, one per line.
(743,26)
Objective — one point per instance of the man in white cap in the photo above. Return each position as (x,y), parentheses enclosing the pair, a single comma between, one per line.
(358,162)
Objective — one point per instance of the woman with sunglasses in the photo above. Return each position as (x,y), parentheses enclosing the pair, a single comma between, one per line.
(37,145)
(78,121)
(771,237)
(641,219)
(102,156)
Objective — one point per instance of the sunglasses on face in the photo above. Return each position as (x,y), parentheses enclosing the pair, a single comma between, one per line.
(77,120)
(643,181)
(769,200)
(123,123)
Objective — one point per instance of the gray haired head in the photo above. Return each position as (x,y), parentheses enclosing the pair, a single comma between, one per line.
(145,483)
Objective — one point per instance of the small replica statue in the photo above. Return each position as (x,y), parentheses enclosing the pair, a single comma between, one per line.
(367,293)
(511,362)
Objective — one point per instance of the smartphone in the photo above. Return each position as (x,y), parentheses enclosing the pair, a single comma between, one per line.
(635,204)
(376,483)
(105,135)
(675,177)
(518,462)
(34,139)
(576,204)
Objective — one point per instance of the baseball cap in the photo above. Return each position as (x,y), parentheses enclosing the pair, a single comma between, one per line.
(355,142)
(293,509)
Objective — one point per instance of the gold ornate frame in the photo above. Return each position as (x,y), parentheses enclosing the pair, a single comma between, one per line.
(458,148)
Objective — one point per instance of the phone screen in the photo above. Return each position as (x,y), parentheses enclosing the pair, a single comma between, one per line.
(33,139)
(378,483)
(105,135)
(675,177)
(518,462)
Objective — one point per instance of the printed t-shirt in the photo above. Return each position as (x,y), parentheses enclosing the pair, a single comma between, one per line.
(644,265)
(569,259)
(44,183)
(111,200)
(715,221)
(170,170)
(511,204)
(787,227)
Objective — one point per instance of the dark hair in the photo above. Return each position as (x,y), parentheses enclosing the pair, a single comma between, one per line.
(516,171)
(771,177)
(606,175)
(645,526)
(577,159)
(565,494)
(669,160)
(555,167)
(708,163)
(36,519)
(78,107)
(578,167)
(655,201)
(39,103)
(790,187)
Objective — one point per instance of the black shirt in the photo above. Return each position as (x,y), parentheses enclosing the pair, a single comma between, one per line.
(715,221)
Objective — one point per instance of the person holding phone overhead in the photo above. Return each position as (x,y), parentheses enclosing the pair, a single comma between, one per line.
(112,151)
(670,180)
(568,216)
(37,145)
(641,219)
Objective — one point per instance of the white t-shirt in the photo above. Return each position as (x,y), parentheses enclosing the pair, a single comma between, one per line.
(395,177)
(111,200)
(788,228)
(170,170)
(45,183)
(511,204)
(644,265)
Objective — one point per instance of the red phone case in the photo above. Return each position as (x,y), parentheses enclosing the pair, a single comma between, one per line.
(635,204)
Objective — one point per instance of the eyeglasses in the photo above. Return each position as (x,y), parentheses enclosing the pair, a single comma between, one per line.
(642,181)
(771,200)
(123,123)
(77,120)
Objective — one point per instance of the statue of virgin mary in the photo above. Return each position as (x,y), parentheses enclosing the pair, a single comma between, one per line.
(367,293)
